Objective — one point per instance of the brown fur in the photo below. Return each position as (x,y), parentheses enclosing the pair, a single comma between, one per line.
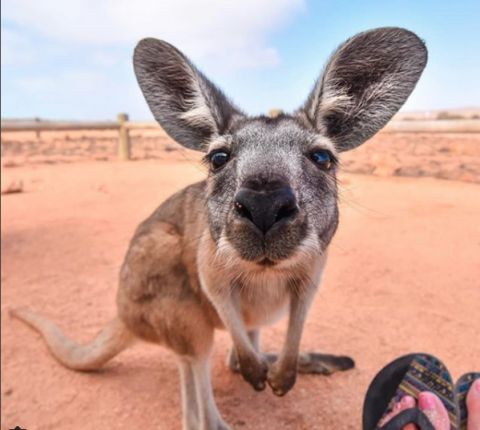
(159,296)
(205,259)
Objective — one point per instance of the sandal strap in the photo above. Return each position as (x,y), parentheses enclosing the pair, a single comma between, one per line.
(409,416)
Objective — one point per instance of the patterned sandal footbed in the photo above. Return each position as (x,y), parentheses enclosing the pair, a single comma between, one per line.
(412,374)
(461,389)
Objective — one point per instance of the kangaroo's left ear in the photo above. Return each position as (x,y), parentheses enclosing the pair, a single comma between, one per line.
(364,84)
(190,108)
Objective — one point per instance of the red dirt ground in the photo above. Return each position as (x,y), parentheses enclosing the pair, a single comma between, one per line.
(403,276)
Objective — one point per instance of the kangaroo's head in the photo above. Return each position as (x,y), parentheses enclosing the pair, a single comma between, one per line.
(271,186)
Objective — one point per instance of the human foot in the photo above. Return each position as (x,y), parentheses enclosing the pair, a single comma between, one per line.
(434,409)
(430,405)
(406,402)
(473,406)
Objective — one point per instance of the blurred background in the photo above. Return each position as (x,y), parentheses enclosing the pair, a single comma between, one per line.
(83,163)
(72,60)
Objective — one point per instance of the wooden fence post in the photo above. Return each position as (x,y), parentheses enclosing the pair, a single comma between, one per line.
(273,113)
(123,138)
(37,133)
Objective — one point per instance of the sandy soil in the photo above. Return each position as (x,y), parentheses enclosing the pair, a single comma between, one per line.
(403,276)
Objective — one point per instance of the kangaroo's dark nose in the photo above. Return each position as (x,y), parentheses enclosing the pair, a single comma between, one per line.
(266,206)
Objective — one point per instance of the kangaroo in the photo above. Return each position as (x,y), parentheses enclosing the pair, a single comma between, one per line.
(249,244)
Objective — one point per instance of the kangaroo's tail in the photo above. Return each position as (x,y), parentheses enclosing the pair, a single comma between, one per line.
(109,342)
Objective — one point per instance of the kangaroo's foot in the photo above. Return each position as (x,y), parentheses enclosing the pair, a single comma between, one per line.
(323,364)
(308,362)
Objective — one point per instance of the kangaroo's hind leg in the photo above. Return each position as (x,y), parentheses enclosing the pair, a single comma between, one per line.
(316,363)
(200,411)
(190,405)
(158,303)
(209,416)
(181,325)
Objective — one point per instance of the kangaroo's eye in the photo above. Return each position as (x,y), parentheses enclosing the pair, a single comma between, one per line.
(323,158)
(219,159)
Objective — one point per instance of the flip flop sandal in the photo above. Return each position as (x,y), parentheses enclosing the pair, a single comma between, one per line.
(409,375)
(461,389)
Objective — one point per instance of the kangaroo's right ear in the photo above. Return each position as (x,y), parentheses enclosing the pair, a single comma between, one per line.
(364,84)
(185,103)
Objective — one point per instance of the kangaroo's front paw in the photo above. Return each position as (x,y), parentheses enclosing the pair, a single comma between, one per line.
(281,379)
(254,371)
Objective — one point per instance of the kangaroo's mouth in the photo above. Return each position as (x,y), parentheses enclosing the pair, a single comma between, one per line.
(266,262)
(270,249)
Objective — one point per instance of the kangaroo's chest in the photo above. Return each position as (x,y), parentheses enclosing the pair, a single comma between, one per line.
(263,299)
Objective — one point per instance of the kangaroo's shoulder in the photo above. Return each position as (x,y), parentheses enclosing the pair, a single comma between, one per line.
(178,209)
(159,252)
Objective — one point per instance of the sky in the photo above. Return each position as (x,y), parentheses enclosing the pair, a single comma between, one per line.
(73,59)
